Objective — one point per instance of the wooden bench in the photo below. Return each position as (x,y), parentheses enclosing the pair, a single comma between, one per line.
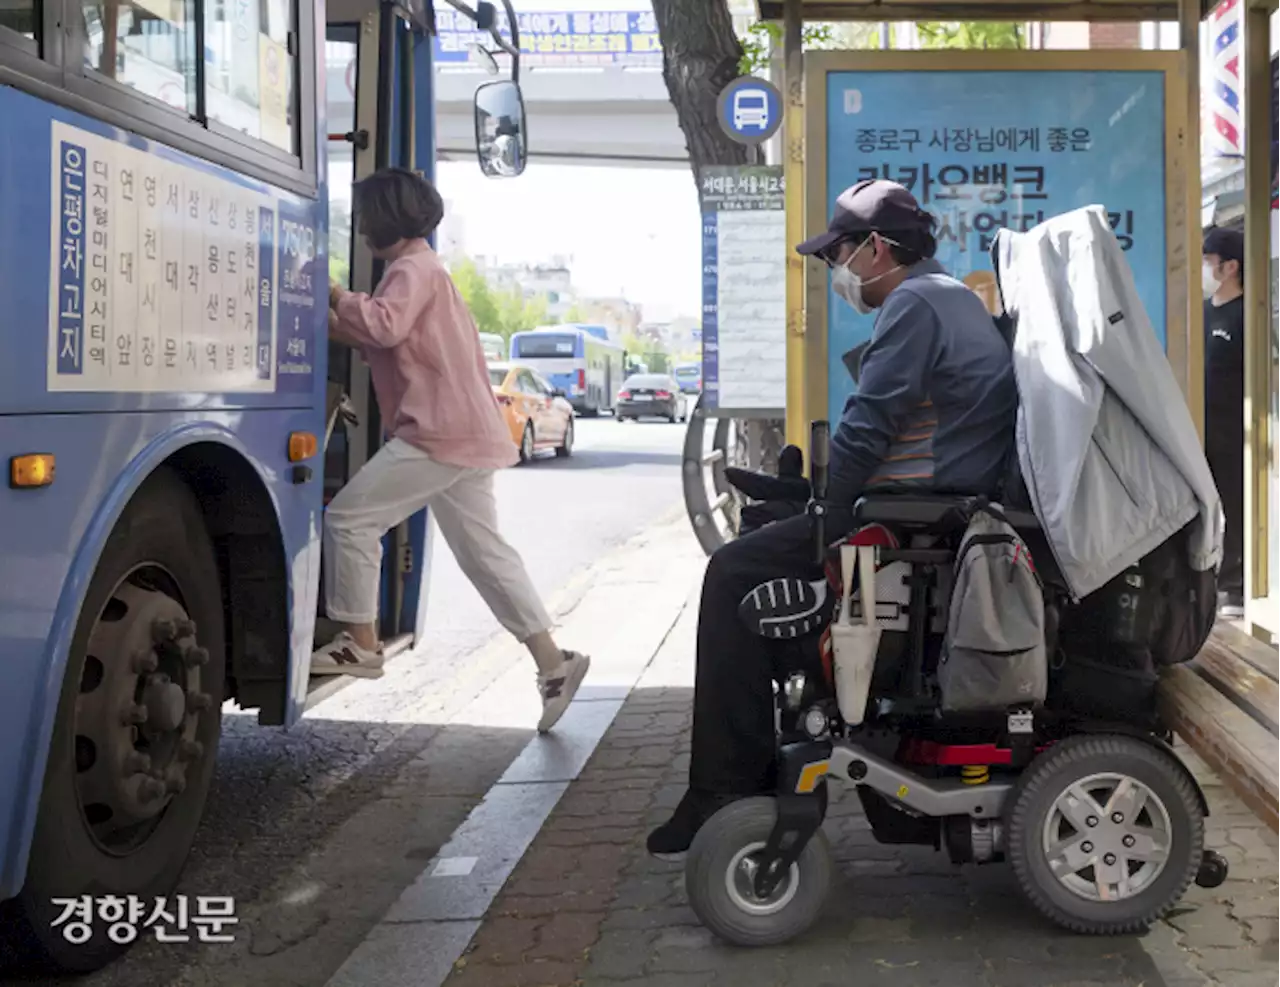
(1224,705)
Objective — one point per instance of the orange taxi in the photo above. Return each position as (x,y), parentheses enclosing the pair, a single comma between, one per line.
(537,414)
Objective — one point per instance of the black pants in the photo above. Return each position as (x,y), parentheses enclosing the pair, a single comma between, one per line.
(734,746)
(1226,461)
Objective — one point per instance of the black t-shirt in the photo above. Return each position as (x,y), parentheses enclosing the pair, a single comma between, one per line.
(1224,378)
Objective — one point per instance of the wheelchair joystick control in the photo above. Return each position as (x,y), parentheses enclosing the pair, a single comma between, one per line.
(819,461)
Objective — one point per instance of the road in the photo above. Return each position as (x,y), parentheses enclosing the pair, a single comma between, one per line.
(316,831)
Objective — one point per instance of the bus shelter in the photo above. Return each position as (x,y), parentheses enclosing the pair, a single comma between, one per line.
(992,139)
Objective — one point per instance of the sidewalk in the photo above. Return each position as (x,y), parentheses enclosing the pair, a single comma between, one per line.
(587,906)
(548,884)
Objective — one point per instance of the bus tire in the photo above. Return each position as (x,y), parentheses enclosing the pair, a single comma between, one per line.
(154,614)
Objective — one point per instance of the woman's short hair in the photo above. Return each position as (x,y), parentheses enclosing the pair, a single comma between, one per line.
(396,204)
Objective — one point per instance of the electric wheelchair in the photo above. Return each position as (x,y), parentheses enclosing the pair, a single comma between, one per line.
(1100,819)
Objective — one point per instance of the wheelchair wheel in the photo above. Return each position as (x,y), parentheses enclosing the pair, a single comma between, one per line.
(720,870)
(1106,833)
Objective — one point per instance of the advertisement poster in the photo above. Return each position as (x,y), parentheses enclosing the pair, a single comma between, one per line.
(602,37)
(980,161)
(166,277)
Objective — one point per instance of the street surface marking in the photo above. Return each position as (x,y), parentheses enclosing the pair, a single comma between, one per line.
(454,866)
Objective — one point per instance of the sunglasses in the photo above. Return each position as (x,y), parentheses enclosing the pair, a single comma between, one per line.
(829,255)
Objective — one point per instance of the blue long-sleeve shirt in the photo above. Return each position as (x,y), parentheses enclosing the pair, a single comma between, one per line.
(936,399)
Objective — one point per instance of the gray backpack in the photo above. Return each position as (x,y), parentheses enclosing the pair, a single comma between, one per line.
(994,655)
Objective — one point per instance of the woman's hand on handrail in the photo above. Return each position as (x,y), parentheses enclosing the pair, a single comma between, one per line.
(337,334)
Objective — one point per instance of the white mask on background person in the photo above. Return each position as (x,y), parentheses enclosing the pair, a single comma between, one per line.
(1210,281)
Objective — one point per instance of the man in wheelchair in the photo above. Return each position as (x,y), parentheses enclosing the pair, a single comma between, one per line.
(1017,716)
(934,411)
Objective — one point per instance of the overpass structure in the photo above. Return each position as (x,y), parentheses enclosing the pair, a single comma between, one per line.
(587,115)
(608,114)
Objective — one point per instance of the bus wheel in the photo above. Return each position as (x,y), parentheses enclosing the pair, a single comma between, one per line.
(136,733)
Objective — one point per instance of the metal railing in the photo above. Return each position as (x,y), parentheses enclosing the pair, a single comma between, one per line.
(714,506)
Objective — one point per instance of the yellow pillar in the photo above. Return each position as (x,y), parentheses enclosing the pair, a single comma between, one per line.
(798,412)
(1185,239)
(1257,308)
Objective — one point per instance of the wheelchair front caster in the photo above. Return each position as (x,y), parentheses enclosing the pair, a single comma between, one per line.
(1213,870)
(721,871)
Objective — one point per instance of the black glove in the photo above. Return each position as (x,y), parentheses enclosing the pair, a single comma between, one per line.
(789,485)
(753,517)
(781,497)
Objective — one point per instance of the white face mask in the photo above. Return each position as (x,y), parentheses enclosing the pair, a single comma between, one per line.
(848,284)
(1210,281)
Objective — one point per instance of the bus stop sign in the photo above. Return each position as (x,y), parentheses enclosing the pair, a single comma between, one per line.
(749,110)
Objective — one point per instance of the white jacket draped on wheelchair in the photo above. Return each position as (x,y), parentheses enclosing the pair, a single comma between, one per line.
(997,697)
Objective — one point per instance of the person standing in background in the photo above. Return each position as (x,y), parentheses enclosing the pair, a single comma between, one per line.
(1224,399)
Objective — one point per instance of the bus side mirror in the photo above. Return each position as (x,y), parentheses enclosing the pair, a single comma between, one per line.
(500,129)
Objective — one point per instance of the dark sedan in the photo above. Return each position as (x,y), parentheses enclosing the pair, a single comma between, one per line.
(651,396)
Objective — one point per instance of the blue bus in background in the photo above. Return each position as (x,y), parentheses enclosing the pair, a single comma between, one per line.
(579,360)
(166,391)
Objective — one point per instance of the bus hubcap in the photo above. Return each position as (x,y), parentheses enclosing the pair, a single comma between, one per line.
(137,714)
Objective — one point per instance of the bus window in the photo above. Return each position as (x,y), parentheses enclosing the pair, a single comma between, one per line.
(148,52)
(22,17)
(546,344)
(249,69)
(341,49)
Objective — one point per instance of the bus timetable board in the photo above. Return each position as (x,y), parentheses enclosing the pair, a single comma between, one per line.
(171,275)
(744,251)
(979,162)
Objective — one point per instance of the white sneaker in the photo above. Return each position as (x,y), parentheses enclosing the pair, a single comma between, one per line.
(342,656)
(558,689)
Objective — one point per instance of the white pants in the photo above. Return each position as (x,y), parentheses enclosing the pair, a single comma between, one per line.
(395,484)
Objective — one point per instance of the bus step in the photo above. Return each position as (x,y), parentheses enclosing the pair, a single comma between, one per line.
(321,687)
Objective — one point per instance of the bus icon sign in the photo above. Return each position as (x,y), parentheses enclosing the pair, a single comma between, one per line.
(749,110)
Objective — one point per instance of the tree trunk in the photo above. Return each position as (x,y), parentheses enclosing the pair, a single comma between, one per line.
(700,55)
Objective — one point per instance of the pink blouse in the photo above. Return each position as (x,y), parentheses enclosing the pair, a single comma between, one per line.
(427,365)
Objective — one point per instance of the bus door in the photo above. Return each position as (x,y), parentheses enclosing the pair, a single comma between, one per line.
(366,130)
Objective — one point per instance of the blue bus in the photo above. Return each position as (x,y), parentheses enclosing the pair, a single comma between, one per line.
(579,360)
(167,387)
